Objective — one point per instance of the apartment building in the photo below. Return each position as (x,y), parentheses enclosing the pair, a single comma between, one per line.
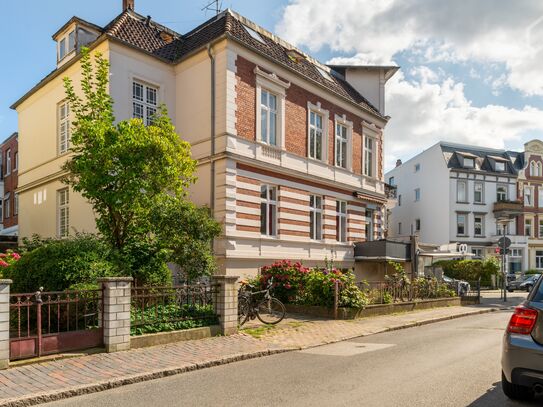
(454,193)
(289,150)
(10,170)
(530,188)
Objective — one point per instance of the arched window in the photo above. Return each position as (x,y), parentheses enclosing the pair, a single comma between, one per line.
(538,169)
(532,168)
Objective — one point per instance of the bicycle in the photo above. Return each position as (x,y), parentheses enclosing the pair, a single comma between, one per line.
(269,310)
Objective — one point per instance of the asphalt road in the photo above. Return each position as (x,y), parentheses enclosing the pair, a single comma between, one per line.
(452,363)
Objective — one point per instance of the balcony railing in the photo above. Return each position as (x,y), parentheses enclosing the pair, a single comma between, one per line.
(507,208)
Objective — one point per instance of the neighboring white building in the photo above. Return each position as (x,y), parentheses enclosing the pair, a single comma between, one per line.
(447,194)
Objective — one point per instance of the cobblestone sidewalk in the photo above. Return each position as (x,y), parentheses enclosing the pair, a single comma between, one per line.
(41,382)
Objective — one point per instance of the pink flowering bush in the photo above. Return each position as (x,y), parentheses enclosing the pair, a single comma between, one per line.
(8,258)
(294,283)
(287,279)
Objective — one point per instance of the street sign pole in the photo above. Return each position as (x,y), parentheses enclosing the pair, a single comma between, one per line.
(503,266)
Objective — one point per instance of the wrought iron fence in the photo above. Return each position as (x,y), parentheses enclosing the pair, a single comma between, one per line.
(388,292)
(54,312)
(157,309)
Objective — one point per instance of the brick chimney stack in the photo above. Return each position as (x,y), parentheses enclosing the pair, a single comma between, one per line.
(128,4)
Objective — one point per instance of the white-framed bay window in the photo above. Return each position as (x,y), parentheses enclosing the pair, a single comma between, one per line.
(315,217)
(317,133)
(268,210)
(343,142)
(341,221)
(270,108)
(144,101)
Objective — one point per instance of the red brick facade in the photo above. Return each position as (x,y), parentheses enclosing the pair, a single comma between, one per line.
(296,117)
(10,175)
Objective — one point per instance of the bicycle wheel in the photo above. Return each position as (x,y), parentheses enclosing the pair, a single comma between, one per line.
(271,311)
(243,309)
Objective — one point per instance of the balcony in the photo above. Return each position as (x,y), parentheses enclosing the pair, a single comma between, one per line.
(507,209)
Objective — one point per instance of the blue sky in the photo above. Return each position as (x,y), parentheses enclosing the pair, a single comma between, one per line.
(470,69)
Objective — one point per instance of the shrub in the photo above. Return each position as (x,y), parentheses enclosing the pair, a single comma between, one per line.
(470,270)
(531,272)
(288,279)
(57,265)
(294,283)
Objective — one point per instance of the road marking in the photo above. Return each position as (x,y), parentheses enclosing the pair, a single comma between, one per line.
(346,348)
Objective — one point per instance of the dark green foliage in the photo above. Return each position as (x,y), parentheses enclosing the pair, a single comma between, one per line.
(470,270)
(57,265)
(171,317)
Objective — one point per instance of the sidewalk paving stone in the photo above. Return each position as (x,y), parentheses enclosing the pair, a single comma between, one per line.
(52,380)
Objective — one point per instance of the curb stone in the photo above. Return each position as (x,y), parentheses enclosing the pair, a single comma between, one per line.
(124,381)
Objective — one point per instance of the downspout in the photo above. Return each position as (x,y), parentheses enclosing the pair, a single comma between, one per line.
(212,155)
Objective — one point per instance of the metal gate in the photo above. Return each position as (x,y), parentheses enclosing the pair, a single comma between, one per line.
(44,323)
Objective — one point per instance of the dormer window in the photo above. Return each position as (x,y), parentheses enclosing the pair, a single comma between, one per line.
(66,45)
(500,166)
(469,162)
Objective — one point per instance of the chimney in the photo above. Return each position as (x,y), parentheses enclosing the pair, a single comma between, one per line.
(128,4)
(398,162)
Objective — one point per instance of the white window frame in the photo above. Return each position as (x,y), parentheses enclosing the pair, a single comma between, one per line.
(528,193)
(15,204)
(341,221)
(68,48)
(500,164)
(1,210)
(16,161)
(539,259)
(315,217)
(482,199)
(417,194)
(63,127)
(498,186)
(341,121)
(272,84)
(270,207)
(468,162)
(7,206)
(8,161)
(540,228)
(63,212)
(270,117)
(528,227)
(540,196)
(465,224)
(532,168)
(464,185)
(148,107)
(477,252)
(482,222)
(369,156)
(370,225)
(318,110)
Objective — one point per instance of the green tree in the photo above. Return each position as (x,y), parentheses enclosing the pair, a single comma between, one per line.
(135,176)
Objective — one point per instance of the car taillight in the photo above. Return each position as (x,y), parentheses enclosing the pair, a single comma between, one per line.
(522,321)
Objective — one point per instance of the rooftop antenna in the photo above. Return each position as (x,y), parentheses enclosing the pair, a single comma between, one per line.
(214,5)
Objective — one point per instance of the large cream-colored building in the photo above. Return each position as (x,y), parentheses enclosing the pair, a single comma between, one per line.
(290,151)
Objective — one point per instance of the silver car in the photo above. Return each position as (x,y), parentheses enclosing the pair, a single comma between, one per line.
(522,355)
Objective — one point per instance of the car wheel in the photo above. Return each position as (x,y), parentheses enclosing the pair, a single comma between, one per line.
(528,288)
(515,391)
(509,290)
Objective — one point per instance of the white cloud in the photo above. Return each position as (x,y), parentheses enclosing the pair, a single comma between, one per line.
(424,113)
(502,31)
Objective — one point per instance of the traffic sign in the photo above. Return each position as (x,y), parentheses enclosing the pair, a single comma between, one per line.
(504,241)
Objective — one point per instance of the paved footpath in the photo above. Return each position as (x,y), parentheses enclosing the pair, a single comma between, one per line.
(53,380)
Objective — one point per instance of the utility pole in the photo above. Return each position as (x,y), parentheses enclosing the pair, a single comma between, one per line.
(214,5)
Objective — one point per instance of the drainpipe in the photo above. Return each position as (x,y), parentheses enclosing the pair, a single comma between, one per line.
(212,156)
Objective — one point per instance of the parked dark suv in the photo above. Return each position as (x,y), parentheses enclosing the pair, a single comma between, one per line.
(522,354)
